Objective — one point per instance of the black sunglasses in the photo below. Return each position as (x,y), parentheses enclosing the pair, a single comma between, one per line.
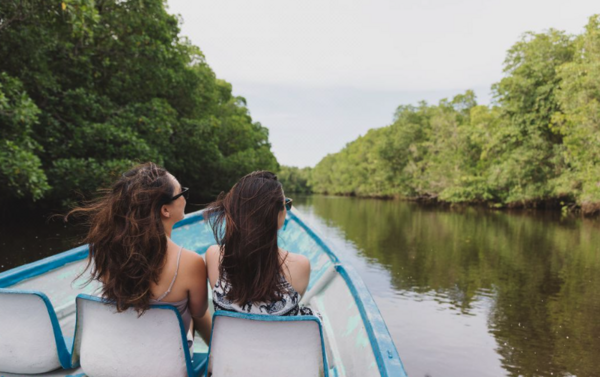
(185,192)
(288,203)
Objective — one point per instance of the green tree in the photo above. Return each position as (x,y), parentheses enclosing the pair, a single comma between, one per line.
(295,180)
(114,83)
(534,145)
(528,159)
(579,121)
(21,172)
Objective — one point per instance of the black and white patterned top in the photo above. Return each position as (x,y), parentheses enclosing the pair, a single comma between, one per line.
(287,305)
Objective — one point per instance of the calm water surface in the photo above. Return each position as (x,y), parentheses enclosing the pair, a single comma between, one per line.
(463,292)
(471,292)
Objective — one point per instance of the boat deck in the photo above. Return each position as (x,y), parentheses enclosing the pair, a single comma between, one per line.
(354,330)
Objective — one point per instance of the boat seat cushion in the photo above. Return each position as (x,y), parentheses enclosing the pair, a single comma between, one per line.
(109,343)
(261,345)
(30,337)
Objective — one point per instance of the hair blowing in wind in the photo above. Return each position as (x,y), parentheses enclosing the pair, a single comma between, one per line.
(126,236)
(244,222)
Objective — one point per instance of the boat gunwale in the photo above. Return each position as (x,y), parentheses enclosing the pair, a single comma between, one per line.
(377,331)
(40,267)
(379,335)
(30,270)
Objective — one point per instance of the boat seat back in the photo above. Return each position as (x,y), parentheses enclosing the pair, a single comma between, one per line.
(31,340)
(109,343)
(262,345)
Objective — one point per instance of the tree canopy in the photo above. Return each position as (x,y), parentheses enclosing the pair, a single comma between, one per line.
(89,87)
(537,144)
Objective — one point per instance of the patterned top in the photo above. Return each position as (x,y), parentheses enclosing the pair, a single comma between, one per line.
(287,305)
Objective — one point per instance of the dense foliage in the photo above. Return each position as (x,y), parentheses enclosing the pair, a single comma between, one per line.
(89,87)
(294,179)
(537,144)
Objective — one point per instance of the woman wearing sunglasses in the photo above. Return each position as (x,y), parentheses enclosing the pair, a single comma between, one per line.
(247,270)
(131,251)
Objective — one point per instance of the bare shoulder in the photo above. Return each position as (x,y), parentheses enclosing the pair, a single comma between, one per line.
(298,270)
(212,254)
(192,260)
(213,249)
(297,261)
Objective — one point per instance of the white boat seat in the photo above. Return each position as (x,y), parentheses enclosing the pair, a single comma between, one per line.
(31,340)
(109,343)
(262,345)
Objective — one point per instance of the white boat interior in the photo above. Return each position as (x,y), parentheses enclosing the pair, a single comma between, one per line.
(357,342)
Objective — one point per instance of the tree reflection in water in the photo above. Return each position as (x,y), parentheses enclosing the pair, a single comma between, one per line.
(541,273)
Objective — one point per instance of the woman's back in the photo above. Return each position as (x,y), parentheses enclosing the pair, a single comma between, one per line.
(131,252)
(294,279)
(183,275)
(182,272)
(247,270)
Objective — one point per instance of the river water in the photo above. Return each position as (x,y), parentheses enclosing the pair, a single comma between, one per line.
(464,292)
(471,292)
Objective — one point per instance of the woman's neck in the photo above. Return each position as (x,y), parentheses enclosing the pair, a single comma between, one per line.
(168,228)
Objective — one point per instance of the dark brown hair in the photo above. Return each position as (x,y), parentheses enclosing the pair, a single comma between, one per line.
(244,222)
(126,236)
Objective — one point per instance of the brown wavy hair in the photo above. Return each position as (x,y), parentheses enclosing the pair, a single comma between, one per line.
(244,222)
(126,236)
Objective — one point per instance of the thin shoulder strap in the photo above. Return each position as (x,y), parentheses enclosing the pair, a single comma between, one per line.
(174,277)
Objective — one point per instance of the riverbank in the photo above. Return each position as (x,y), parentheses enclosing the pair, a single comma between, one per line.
(563,205)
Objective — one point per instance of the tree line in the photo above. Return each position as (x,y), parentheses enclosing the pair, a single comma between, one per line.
(537,144)
(90,87)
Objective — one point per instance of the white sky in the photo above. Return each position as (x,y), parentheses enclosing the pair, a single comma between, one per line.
(319,73)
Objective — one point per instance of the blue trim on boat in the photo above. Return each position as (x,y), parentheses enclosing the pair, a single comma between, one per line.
(314,236)
(12,277)
(40,267)
(190,218)
(272,318)
(193,370)
(384,349)
(267,318)
(64,356)
(389,364)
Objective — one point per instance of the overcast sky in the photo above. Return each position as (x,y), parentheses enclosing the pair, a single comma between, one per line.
(319,73)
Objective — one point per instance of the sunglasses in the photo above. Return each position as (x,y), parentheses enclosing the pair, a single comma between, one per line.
(185,192)
(288,203)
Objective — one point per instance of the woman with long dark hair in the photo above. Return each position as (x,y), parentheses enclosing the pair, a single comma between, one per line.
(248,271)
(131,251)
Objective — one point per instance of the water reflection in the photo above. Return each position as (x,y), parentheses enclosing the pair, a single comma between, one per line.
(531,282)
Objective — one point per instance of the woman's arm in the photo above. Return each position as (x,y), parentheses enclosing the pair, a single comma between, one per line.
(196,283)
(198,297)
(212,264)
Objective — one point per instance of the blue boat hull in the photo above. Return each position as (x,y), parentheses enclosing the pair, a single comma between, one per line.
(358,342)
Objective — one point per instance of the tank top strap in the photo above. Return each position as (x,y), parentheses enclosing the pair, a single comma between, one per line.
(174,277)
